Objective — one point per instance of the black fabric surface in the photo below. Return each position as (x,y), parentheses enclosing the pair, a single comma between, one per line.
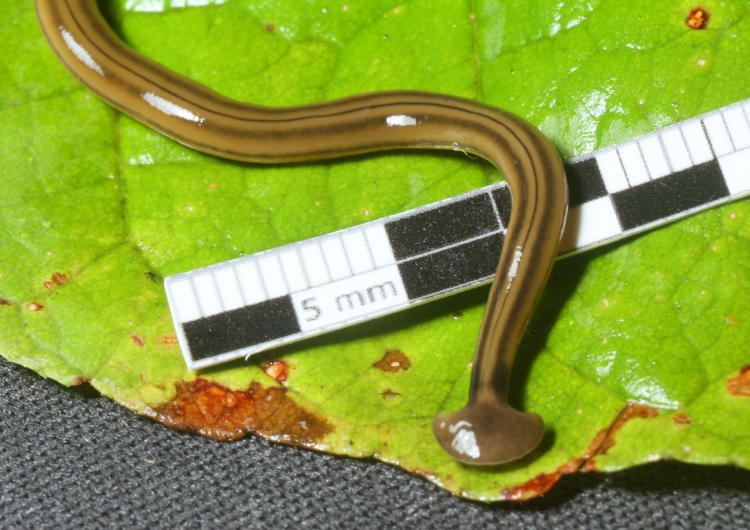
(69,458)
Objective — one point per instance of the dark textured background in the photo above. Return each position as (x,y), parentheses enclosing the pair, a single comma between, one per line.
(69,458)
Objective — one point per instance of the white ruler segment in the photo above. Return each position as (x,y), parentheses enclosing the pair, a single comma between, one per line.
(250,304)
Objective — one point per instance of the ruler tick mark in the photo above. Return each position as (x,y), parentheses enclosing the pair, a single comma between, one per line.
(687,146)
(643,158)
(369,250)
(212,272)
(239,284)
(195,295)
(305,275)
(664,151)
(622,165)
(497,212)
(729,133)
(708,139)
(744,113)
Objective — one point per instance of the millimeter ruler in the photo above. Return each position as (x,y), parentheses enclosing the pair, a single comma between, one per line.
(250,304)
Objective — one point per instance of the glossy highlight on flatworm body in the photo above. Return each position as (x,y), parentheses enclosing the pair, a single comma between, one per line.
(487,430)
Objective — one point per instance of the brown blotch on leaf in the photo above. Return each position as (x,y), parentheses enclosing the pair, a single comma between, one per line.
(739,385)
(4,302)
(270,27)
(34,306)
(138,340)
(682,419)
(169,338)
(214,411)
(601,443)
(80,380)
(389,394)
(278,370)
(58,279)
(605,439)
(393,361)
(733,320)
(535,487)
(697,19)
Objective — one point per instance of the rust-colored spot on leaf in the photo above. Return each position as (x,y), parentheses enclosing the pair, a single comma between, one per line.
(389,394)
(138,340)
(601,443)
(34,306)
(393,361)
(739,385)
(733,320)
(58,279)
(697,19)
(4,302)
(270,27)
(278,370)
(169,338)
(80,380)
(214,411)
(605,439)
(682,419)
(538,485)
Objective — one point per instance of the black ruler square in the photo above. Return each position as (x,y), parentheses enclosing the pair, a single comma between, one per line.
(451,267)
(675,193)
(585,182)
(442,226)
(241,327)
(503,202)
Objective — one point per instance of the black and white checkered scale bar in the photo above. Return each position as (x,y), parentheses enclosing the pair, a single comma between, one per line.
(256,302)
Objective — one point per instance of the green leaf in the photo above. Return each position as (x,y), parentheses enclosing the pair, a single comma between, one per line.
(635,354)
